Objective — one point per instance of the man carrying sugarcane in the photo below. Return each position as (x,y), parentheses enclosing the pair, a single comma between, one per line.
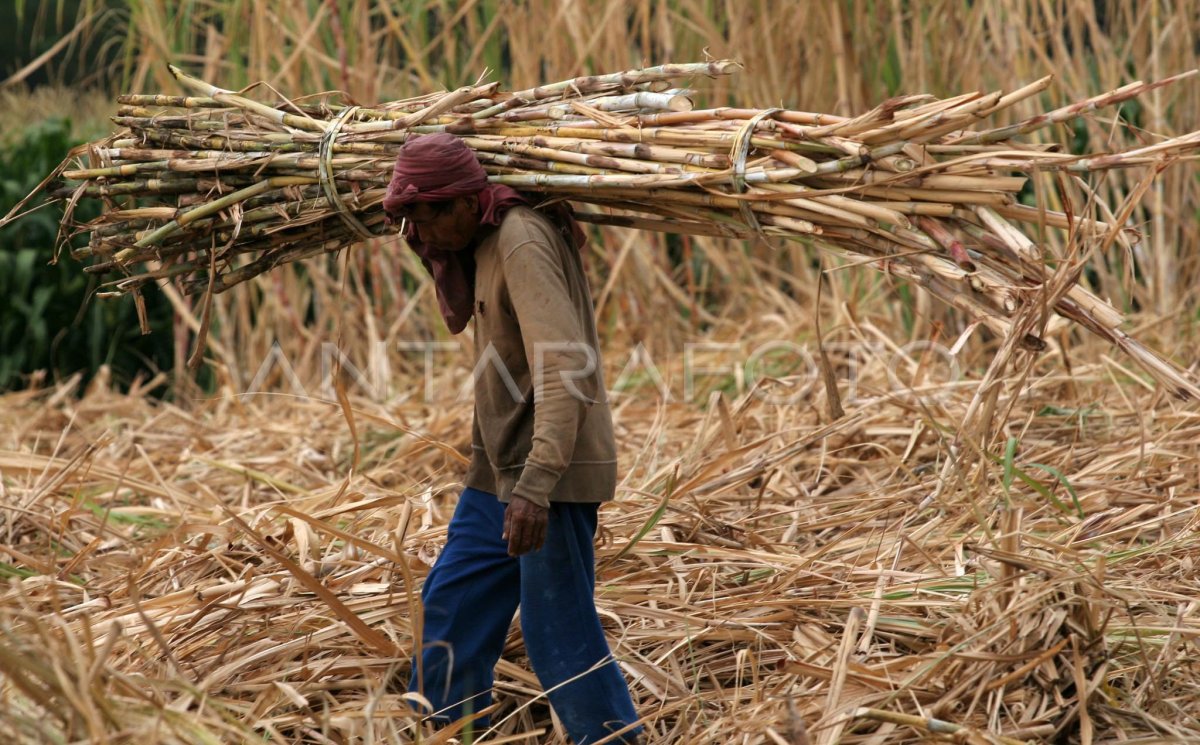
(543,454)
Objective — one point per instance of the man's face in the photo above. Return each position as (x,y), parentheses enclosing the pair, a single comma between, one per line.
(447,226)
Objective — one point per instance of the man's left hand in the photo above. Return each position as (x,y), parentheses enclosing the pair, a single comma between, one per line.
(524,526)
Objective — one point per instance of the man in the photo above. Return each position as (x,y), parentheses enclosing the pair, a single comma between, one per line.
(543,454)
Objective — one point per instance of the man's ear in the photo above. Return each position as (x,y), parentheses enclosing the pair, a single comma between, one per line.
(472,201)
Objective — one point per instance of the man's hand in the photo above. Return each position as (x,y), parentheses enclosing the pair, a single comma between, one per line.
(524,526)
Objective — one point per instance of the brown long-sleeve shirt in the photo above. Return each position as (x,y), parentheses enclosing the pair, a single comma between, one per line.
(543,426)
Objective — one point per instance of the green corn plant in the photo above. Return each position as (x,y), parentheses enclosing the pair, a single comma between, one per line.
(48,320)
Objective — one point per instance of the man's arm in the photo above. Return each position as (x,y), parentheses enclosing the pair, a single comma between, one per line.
(558,353)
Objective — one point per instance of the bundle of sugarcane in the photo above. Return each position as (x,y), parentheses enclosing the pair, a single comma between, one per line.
(213,189)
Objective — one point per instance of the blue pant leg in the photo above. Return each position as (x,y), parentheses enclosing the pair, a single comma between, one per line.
(469,600)
(562,631)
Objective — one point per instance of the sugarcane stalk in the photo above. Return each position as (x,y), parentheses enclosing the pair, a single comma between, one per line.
(933,209)
(595,161)
(653,153)
(214,207)
(230,98)
(1071,111)
(917,119)
(627,79)
(870,210)
(661,224)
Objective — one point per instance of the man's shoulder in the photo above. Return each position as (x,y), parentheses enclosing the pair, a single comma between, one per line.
(523,214)
(524,225)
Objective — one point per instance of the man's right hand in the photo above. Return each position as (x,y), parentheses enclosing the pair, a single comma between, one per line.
(524,526)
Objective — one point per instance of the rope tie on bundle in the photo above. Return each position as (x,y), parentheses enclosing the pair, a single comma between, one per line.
(325,173)
(739,153)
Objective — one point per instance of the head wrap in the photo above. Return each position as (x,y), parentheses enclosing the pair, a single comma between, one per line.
(433,168)
(438,167)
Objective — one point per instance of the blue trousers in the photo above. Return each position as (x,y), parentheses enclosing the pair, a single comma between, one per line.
(470,597)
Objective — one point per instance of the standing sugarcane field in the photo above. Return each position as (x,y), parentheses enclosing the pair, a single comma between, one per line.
(773,372)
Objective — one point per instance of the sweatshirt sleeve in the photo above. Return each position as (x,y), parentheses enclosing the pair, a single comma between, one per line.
(562,363)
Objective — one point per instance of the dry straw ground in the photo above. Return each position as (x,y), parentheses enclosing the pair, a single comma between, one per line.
(224,571)
(1010,551)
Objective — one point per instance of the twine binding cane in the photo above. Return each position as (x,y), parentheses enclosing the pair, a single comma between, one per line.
(325,173)
(740,151)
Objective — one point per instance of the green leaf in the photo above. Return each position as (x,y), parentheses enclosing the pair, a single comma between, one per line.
(1066,483)
(1010,452)
(657,515)
(46,321)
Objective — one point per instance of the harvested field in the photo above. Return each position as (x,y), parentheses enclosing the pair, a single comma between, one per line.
(246,567)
